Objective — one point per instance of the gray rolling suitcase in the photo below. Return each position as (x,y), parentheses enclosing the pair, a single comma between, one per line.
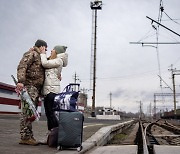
(70,130)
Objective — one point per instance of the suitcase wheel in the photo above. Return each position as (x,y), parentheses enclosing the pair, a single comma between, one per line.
(79,148)
(59,148)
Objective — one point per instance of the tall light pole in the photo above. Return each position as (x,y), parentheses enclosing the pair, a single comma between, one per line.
(96,5)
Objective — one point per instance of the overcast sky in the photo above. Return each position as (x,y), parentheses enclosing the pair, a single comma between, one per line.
(129,71)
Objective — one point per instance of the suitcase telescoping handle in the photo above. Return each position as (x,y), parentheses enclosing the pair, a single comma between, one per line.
(72,87)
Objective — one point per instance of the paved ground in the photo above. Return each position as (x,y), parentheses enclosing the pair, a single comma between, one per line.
(9,136)
(123,149)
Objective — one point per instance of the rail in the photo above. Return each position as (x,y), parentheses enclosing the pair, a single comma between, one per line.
(143,131)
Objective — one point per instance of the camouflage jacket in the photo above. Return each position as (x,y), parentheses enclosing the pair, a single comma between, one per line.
(30,71)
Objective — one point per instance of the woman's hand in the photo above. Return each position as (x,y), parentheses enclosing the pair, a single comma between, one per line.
(42,49)
(31,49)
(60,77)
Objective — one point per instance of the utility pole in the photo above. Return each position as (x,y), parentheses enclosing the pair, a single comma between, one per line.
(140,109)
(150,110)
(174,72)
(174,92)
(110,100)
(75,77)
(154,106)
(96,5)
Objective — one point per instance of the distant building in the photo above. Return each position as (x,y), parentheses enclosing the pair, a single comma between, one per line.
(108,113)
(82,101)
(9,101)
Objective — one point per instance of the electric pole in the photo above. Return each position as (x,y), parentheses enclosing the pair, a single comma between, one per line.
(110,100)
(140,109)
(150,110)
(96,5)
(174,72)
(75,77)
(154,106)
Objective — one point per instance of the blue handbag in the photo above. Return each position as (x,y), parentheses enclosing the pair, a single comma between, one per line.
(67,99)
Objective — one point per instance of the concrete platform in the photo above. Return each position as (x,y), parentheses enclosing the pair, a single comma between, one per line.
(123,149)
(166,149)
(93,135)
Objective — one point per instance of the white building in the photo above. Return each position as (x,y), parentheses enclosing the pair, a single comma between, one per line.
(9,100)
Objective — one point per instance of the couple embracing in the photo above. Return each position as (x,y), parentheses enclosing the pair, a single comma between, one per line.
(40,75)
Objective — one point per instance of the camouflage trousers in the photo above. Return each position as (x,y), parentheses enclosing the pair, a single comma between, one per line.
(26,125)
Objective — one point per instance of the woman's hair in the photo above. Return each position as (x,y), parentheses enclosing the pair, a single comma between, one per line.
(53,55)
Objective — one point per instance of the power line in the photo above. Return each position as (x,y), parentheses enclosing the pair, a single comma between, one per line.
(171,18)
(154,43)
(163,26)
(176,61)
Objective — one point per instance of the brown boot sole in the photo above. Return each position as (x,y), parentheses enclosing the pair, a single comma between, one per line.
(24,143)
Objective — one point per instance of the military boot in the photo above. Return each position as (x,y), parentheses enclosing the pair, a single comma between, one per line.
(30,141)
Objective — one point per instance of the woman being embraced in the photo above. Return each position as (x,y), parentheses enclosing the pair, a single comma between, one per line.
(53,67)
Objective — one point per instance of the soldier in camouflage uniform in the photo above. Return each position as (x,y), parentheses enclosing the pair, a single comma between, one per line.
(30,74)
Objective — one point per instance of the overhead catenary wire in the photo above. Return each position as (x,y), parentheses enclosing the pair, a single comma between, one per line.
(178,59)
(174,20)
(147,35)
(163,26)
(171,18)
(143,43)
(156,27)
(130,76)
(127,76)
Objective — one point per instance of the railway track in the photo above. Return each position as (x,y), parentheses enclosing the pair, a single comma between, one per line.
(147,134)
(161,132)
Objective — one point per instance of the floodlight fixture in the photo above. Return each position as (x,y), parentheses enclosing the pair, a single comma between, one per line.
(96,5)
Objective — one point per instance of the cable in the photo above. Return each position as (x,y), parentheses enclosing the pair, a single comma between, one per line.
(146,35)
(171,18)
(176,61)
